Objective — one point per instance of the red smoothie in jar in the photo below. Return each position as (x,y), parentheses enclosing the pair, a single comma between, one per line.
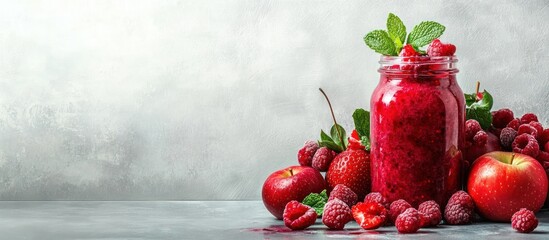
(417,128)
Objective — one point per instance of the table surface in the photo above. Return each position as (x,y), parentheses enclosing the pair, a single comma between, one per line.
(204,220)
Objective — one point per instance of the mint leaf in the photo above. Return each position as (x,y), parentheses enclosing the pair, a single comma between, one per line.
(316,201)
(337,138)
(327,141)
(424,33)
(396,30)
(480,110)
(361,118)
(379,41)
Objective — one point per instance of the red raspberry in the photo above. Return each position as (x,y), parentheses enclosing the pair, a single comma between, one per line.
(526,144)
(507,137)
(524,221)
(546,146)
(306,153)
(471,128)
(408,221)
(526,128)
(322,159)
(495,131)
(369,215)
(336,214)
(459,209)
(429,214)
(543,137)
(378,198)
(543,156)
(528,117)
(408,51)
(397,207)
(480,138)
(502,117)
(344,194)
(537,126)
(514,124)
(437,48)
(298,216)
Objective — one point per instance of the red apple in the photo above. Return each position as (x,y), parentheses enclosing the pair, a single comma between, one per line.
(501,183)
(291,183)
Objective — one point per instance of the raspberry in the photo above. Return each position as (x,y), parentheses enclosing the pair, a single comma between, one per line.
(526,144)
(543,156)
(336,214)
(298,216)
(378,198)
(408,221)
(528,117)
(322,159)
(507,137)
(546,146)
(306,153)
(437,48)
(514,124)
(524,221)
(344,194)
(429,214)
(502,117)
(459,209)
(537,126)
(526,128)
(408,51)
(543,137)
(369,215)
(397,207)
(495,131)
(471,128)
(480,138)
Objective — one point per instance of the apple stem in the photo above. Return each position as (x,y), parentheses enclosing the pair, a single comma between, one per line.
(512,158)
(291,172)
(333,116)
(477,92)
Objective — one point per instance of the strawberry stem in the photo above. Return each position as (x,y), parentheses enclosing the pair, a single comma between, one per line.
(333,117)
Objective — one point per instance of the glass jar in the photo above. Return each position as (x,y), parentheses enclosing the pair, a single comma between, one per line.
(417,128)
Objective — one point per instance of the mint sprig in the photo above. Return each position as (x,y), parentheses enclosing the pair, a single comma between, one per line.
(333,141)
(390,42)
(479,109)
(361,118)
(316,201)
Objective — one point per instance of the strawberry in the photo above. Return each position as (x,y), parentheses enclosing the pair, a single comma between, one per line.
(370,215)
(352,169)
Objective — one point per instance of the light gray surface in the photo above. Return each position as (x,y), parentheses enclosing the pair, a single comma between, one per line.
(137,99)
(204,220)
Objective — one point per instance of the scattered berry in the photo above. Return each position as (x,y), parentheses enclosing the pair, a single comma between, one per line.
(471,128)
(437,48)
(408,51)
(526,128)
(528,117)
(460,209)
(408,221)
(526,144)
(524,221)
(502,117)
(514,124)
(369,215)
(396,208)
(322,158)
(378,198)
(480,138)
(429,214)
(298,216)
(507,137)
(336,214)
(344,194)
(306,153)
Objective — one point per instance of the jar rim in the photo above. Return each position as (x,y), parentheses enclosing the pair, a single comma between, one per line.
(418,65)
(418,60)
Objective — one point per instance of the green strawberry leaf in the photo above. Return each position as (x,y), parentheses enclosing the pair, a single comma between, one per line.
(327,141)
(379,41)
(361,118)
(480,110)
(396,30)
(337,138)
(424,33)
(316,201)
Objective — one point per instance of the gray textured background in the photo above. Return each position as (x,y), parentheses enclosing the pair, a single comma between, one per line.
(202,100)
